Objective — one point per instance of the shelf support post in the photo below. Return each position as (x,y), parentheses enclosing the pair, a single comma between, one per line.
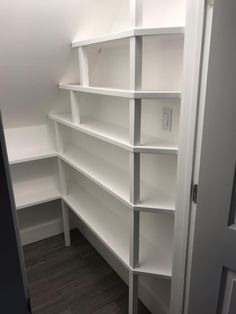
(136,44)
(134,238)
(133,293)
(66,223)
(134,121)
(83,66)
(59,144)
(136,13)
(134,177)
(74,102)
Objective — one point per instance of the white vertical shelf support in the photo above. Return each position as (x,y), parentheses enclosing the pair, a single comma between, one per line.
(134,121)
(136,13)
(66,223)
(63,188)
(59,143)
(83,66)
(74,102)
(133,293)
(62,178)
(134,238)
(136,16)
(136,47)
(134,177)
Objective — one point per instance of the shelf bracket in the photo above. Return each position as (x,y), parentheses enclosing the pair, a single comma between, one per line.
(66,223)
(134,238)
(83,66)
(133,293)
(74,102)
(134,121)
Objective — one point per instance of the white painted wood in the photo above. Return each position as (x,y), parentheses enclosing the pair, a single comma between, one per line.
(122,92)
(115,135)
(201,111)
(136,13)
(59,143)
(35,182)
(164,31)
(191,73)
(217,176)
(110,223)
(134,238)
(134,121)
(83,66)
(40,222)
(136,63)
(133,293)
(62,181)
(66,223)
(134,177)
(29,143)
(74,101)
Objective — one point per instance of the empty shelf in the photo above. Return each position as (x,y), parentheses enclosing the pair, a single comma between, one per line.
(102,221)
(107,176)
(131,33)
(113,231)
(35,191)
(122,92)
(116,135)
(29,143)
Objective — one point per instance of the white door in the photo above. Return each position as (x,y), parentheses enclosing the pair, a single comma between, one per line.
(213,273)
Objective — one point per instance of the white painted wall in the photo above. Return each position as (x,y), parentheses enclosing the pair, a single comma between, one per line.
(36,52)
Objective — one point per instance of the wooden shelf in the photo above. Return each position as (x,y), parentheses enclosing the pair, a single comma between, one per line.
(122,92)
(116,135)
(29,143)
(113,231)
(165,31)
(35,191)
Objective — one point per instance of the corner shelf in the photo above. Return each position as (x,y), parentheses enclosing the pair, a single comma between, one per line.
(165,31)
(122,92)
(37,191)
(35,182)
(115,135)
(114,233)
(29,143)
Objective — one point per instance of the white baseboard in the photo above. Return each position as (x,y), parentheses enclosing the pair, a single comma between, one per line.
(41,231)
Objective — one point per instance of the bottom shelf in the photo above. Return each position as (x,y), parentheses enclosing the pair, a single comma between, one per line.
(109,220)
(40,222)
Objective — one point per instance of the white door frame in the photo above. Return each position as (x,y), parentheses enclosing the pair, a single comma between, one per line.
(194,35)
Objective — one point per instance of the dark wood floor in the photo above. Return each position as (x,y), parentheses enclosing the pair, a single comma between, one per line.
(74,280)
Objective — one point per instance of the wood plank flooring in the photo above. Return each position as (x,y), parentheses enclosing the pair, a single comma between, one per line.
(74,280)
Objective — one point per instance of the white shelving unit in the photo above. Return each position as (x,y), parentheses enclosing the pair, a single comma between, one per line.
(111,159)
(119,172)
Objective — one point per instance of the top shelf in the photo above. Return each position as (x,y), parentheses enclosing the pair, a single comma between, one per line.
(179,31)
(122,92)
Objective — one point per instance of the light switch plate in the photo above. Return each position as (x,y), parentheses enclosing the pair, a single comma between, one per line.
(166,121)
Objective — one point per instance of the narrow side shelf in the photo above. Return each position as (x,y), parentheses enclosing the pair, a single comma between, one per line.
(115,135)
(165,31)
(37,191)
(29,143)
(122,92)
